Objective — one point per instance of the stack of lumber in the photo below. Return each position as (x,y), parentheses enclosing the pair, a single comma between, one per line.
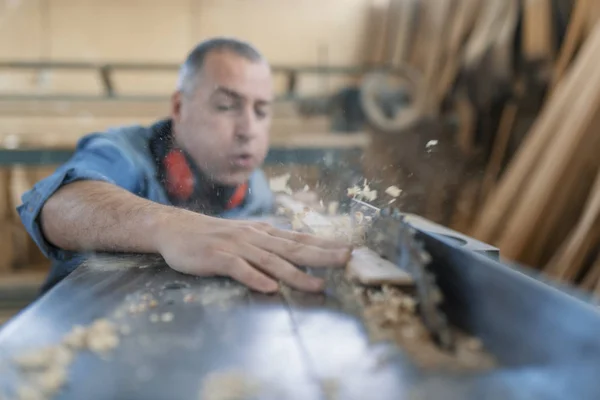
(512,88)
(545,211)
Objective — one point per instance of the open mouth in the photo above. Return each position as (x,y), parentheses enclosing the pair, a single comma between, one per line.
(244,160)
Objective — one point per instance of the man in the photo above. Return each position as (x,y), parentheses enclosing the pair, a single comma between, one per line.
(180,187)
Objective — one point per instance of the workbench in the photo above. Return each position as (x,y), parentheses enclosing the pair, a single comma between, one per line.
(300,345)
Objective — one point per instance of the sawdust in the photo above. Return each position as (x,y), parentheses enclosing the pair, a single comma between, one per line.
(167,317)
(117,262)
(431,143)
(393,191)
(279,184)
(219,294)
(362,193)
(391,315)
(330,388)
(229,385)
(45,370)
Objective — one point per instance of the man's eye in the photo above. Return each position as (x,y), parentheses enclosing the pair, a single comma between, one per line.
(225,107)
(261,113)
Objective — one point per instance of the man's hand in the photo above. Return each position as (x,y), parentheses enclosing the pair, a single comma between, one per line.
(89,215)
(253,253)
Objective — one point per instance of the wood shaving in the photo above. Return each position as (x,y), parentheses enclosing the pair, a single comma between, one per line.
(102,337)
(43,358)
(76,338)
(166,317)
(332,207)
(45,370)
(331,388)
(393,191)
(28,392)
(101,343)
(279,184)
(431,143)
(390,314)
(222,296)
(229,385)
(52,380)
(365,193)
(125,330)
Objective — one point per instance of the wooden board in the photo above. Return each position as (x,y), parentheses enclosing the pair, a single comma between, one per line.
(585,237)
(574,138)
(572,40)
(365,266)
(490,222)
(538,33)
(369,269)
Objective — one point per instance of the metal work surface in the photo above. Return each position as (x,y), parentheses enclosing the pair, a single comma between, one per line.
(297,344)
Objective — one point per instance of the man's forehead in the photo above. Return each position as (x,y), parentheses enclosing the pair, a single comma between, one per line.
(233,74)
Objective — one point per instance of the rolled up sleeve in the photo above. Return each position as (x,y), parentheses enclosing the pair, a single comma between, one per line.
(96,158)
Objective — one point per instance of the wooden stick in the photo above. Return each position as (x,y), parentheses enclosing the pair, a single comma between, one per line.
(368,268)
(491,220)
(503,48)
(596,266)
(585,237)
(538,32)
(592,277)
(565,207)
(406,27)
(467,115)
(507,122)
(439,22)
(464,21)
(572,39)
(568,144)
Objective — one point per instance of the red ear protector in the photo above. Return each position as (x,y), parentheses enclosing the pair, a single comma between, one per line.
(180,181)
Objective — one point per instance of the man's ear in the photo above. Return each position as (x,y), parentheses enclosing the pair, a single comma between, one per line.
(176,100)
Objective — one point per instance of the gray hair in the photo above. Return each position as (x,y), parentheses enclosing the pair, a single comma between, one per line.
(194,62)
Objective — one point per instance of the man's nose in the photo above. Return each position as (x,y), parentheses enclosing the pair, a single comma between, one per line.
(246,126)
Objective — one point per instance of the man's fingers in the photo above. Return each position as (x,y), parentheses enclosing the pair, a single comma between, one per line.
(302,254)
(308,239)
(241,271)
(278,268)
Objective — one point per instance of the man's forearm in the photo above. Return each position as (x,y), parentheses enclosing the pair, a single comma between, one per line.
(92,215)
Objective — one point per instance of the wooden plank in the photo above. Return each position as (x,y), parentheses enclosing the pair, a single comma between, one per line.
(111,108)
(406,30)
(571,256)
(507,121)
(538,34)
(369,269)
(463,22)
(491,220)
(439,22)
(593,276)
(365,266)
(575,136)
(5,203)
(467,116)
(6,247)
(64,133)
(595,267)
(503,48)
(572,40)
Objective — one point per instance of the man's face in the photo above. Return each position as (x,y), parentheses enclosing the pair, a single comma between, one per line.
(224,124)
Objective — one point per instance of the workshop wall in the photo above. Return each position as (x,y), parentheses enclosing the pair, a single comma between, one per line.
(307,32)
